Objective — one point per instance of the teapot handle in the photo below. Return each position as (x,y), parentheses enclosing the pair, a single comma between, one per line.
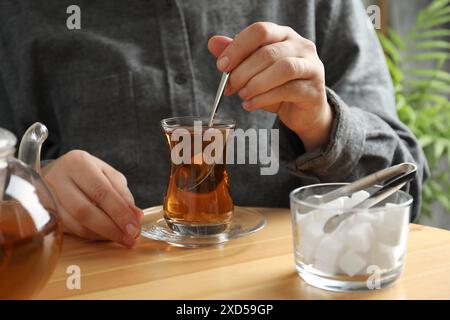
(30,146)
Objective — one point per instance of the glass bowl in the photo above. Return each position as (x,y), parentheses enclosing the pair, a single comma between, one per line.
(366,251)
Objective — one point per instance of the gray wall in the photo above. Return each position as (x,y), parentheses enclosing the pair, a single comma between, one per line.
(402,13)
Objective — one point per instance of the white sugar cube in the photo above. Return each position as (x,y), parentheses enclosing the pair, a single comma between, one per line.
(335,204)
(327,254)
(326,266)
(360,237)
(396,216)
(383,257)
(368,217)
(344,227)
(352,263)
(311,234)
(328,248)
(391,236)
(368,237)
(355,199)
(321,216)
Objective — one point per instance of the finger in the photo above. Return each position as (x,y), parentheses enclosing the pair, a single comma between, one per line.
(292,91)
(274,108)
(259,61)
(119,183)
(217,44)
(90,216)
(246,42)
(93,183)
(74,227)
(117,180)
(70,225)
(281,72)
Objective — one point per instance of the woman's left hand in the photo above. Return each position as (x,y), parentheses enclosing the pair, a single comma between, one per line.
(275,69)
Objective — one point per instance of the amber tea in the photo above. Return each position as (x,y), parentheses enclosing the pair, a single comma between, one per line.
(197,201)
(27,256)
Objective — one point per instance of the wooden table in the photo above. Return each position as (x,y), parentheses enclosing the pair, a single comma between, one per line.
(260,266)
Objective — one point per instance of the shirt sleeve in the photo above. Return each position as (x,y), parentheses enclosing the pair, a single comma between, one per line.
(366,135)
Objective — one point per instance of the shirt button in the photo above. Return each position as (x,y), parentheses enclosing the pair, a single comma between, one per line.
(180,78)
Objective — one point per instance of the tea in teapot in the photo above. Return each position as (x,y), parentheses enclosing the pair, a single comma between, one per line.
(30,233)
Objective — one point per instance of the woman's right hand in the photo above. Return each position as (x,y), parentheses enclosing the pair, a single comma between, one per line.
(93,198)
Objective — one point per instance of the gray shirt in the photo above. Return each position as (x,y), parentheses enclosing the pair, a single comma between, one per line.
(105,87)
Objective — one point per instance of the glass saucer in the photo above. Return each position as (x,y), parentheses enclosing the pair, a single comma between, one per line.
(245,221)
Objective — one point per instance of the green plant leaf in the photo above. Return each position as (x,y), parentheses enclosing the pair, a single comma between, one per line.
(434,21)
(439,148)
(407,115)
(434,185)
(396,73)
(436,74)
(396,38)
(433,85)
(389,48)
(443,200)
(443,12)
(431,34)
(435,6)
(437,55)
(419,97)
(428,15)
(436,44)
(427,190)
(426,140)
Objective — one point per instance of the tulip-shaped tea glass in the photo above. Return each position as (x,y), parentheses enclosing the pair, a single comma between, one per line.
(366,251)
(197,201)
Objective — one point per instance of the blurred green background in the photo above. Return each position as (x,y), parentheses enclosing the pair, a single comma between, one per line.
(415,36)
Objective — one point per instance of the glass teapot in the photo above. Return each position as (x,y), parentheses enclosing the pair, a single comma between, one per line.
(30,232)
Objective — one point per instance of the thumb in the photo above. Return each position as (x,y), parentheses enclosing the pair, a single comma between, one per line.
(217,44)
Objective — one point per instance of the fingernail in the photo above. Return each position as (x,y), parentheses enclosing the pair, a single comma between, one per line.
(128,241)
(243,93)
(132,230)
(223,63)
(136,211)
(246,105)
(139,212)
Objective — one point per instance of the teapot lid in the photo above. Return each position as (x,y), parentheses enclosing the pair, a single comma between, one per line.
(7,141)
